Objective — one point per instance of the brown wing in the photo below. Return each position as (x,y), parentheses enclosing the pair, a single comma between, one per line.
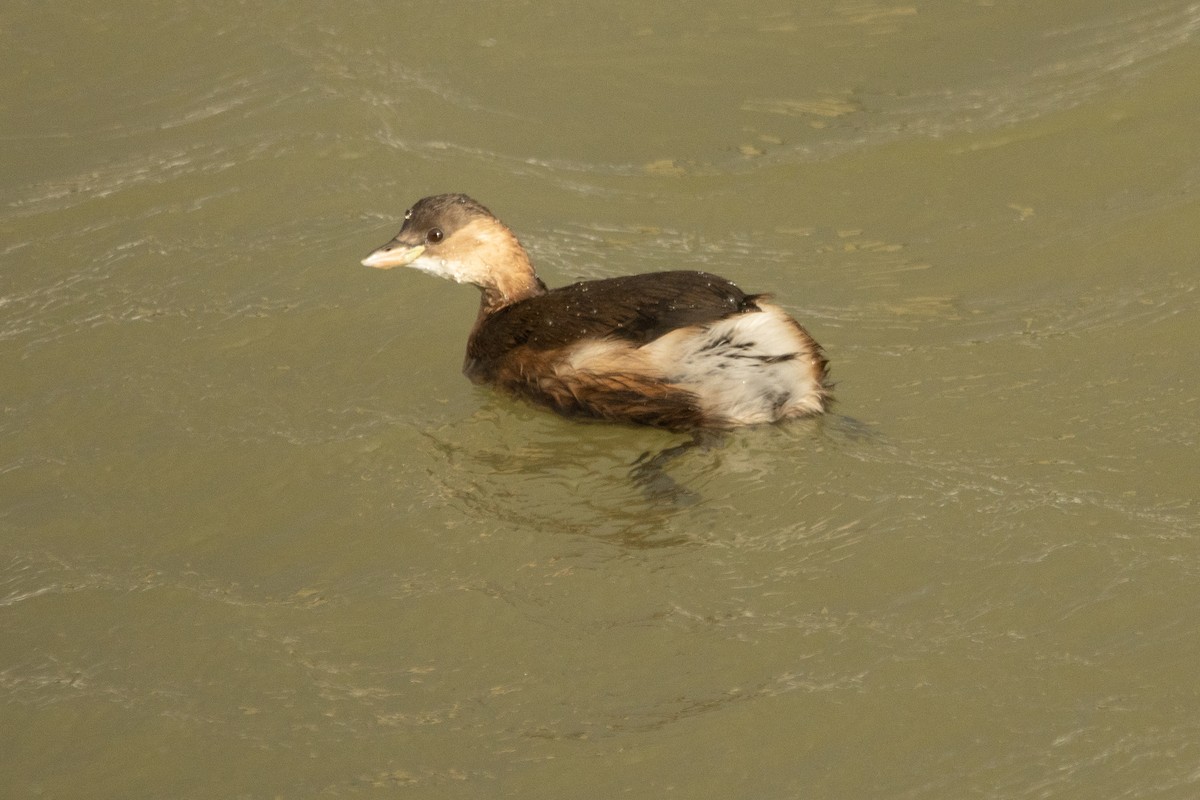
(636,308)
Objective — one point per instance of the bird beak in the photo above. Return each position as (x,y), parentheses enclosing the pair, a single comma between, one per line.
(393,254)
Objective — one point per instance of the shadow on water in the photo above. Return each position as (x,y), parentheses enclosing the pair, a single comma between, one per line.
(632,487)
(649,471)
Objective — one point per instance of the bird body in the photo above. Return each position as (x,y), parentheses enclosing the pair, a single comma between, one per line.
(679,350)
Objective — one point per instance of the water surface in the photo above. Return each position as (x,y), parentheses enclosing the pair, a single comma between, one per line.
(260,538)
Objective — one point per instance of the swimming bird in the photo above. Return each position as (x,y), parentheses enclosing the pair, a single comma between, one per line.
(681,350)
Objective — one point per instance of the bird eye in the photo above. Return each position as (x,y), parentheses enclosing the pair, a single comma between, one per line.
(434,236)
(408,214)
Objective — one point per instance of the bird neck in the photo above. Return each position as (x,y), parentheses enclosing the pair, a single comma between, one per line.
(515,282)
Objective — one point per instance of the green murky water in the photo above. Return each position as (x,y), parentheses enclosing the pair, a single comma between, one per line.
(259,538)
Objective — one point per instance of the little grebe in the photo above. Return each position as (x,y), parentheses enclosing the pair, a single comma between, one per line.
(676,350)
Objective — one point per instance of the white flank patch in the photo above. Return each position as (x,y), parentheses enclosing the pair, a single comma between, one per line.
(747,369)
